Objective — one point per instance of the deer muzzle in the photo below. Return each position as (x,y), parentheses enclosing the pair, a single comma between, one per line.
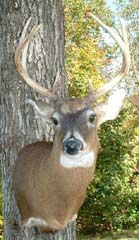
(72,146)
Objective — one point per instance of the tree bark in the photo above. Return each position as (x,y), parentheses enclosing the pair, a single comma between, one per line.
(18,126)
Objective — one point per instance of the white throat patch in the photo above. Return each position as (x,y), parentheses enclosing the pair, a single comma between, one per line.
(84,160)
(31,222)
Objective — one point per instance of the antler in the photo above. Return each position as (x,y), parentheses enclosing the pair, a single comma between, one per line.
(20,61)
(122,42)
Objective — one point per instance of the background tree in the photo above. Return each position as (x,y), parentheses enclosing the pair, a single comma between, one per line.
(130,11)
(18,128)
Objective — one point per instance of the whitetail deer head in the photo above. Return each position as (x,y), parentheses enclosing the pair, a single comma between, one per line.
(71,158)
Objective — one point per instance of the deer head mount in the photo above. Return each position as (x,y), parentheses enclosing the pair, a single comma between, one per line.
(50,179)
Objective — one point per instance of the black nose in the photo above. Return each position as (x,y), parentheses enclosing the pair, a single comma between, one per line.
(72,146)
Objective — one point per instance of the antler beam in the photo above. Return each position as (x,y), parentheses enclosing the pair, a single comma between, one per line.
(21,63)
(122,42)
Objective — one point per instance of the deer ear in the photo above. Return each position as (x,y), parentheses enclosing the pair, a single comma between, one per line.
(110,109)
(42,109)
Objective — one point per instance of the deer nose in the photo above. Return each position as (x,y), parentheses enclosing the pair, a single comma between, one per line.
(72,146)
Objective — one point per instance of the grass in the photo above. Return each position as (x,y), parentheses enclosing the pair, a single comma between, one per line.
(131,235)
(126,235)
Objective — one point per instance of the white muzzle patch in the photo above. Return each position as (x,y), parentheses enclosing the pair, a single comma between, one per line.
(84,159)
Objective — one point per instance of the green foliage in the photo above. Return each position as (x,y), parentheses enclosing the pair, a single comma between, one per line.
(112,201)
(113,196)
(117,235)
(84,59)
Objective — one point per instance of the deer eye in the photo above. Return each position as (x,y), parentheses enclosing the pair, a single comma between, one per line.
(91,118)
(55,121)
(55,118)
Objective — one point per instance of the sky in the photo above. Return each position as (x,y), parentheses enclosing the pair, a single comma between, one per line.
(111,4)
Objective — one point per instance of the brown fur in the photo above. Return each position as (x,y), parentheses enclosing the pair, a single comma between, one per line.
(45,189)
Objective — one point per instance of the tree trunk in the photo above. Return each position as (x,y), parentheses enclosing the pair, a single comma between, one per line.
(18,126)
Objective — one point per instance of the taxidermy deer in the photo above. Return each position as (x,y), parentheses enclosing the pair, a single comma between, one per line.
(50,179)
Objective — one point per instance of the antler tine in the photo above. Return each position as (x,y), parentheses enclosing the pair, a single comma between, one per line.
(21,63)
(122,42)
(124,33)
